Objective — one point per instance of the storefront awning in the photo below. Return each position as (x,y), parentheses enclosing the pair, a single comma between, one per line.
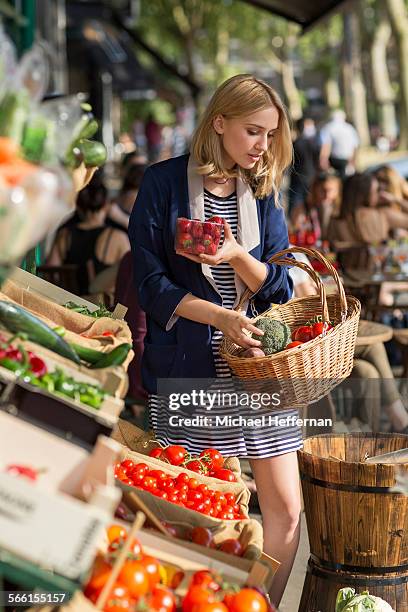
(303,12)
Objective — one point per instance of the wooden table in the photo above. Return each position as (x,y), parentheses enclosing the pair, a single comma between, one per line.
(370,332)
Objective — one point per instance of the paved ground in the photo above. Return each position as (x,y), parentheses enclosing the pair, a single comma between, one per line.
(291,598)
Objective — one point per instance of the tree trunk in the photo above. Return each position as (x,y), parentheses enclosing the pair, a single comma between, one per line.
(399,21)
(383,91)
(290,88)
(332,93)
(353,84)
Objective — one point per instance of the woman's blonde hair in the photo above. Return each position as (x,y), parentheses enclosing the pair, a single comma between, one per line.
(241,96)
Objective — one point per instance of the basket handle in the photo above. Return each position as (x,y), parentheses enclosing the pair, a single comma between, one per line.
(280,259)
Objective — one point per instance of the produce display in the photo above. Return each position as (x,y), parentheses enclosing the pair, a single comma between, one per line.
(198,237)
(278,337)
(180,490)
(31,369)
(349,601)
(18,320)
(145,583)
(209,462)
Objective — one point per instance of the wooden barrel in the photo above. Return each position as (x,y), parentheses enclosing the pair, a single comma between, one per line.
(358,530)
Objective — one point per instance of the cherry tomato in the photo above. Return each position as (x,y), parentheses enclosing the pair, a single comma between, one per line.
(232,547)
(213,458)
(193,483)
(127,464)
(217,606)
(151,566)
(140,468)
(156,453)
(196,466)
(195,496)
(175,454)
(205,579)
(115,532)
(248,600)
(197,595)
(202,536)
(303,333)
(159,475)
(133,575)
(135,547)
(161,599)
(119,600)
(182,478)
(230,498)
(149,483)
(224,474)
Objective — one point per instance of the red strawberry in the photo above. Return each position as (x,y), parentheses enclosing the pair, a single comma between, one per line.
(211,249)
(207,239)
(197,230)
(208,228)
(216,219)
(185,240)
(199,248)
(184,225)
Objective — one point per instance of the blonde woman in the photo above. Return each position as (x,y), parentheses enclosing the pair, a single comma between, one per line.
(239,152)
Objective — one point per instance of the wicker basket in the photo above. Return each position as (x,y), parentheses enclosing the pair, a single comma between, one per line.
(304,374)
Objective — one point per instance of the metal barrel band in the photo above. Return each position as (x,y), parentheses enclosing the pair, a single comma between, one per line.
(353,580)
(338,486)
(358,569)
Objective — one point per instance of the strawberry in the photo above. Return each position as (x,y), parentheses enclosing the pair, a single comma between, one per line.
(211,249)
(216,219)
(207,240)
(208,228)
(185,240)
(199,248)
(197,230)
(184,225)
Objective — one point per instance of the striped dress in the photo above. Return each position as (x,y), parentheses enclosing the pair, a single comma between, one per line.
(248,441)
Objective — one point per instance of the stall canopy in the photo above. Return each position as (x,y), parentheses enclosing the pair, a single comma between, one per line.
(304,12)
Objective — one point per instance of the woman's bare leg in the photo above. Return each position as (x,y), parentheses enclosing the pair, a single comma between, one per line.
(277,484)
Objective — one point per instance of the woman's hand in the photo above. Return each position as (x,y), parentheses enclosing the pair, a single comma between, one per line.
(229,251)
(233,324)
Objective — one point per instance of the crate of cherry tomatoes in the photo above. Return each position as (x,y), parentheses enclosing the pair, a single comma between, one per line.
(176,493)
(198,237)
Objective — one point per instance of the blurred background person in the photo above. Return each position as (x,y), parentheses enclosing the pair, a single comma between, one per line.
(306,148)
(340,142)
(393,188)
(322,203)
(122,205)
(88,242)
(153,133)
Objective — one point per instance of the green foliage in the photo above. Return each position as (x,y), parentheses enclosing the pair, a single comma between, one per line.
(132,110)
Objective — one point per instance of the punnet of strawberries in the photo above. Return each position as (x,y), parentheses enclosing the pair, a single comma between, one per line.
(198,237)
(180,490)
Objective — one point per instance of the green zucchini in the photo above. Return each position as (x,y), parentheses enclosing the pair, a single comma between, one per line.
(17,319)
(116,357)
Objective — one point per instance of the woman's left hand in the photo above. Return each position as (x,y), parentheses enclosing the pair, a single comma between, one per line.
(229,251)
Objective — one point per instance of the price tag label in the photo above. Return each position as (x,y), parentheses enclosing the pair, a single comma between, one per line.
(53,530)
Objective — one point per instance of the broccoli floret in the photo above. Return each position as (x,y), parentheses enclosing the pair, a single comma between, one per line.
(276,335)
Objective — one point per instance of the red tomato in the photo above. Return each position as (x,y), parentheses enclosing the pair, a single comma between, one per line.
(224,474)
(213,458)
(319,327)
(206,579)
(161,599)
(248,600)
(159,475)
(194,495)
(202,536)
(196,595)
(303,333)
(293,344)
(196,466)
(119,600)
(230,498)
(151,566)
(182,478)
(217,606)
(175,454)
(149,483)
(100,573)
(193,483)
(140,468)
(127,464)
(232,547)
(133,575)
(156,453)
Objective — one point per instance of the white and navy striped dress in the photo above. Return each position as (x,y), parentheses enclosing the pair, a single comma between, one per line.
(241,441)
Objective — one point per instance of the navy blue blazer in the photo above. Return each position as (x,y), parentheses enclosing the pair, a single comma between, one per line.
(162,278)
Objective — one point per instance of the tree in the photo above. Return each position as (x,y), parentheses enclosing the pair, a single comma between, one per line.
(383,90)
(353,84)
(398,13)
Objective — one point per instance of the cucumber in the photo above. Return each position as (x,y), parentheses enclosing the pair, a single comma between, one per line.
(13,114)
(116,357)
(93,152)
(17,319)
(87,354)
